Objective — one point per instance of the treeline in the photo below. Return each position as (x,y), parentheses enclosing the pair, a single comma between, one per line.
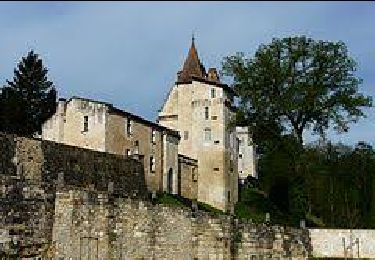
(290,86)
(327,185)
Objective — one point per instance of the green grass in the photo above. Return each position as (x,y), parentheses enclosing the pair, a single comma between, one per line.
(254,205)
(212,210)
(170,200)
(178,201)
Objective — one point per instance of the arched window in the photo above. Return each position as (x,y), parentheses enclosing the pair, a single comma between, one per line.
(170,181)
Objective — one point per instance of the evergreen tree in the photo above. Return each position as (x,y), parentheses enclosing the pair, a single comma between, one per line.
(29,100)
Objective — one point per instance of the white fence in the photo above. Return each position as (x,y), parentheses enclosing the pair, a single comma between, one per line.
(346,243)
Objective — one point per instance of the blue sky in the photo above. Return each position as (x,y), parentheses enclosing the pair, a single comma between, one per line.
(128,53)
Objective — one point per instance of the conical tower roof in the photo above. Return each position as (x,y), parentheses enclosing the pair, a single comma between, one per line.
(192,66)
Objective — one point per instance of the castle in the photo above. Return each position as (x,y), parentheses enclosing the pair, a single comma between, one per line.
(81,193)
(190,151)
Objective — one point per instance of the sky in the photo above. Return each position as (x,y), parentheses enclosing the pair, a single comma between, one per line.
(128,53)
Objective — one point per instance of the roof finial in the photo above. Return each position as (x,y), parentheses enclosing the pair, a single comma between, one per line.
(192,38)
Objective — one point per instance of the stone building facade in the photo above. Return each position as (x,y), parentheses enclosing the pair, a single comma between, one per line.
(200,107)
(188,177)
(246,155)
(191,135)
(102,127)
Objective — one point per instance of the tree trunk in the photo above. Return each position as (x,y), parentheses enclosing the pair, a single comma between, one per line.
(299,132)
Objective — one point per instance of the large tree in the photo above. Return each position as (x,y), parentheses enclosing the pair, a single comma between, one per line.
(294,84)
(29,99)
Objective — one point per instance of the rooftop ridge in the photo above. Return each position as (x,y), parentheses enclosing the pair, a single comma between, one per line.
(113,109)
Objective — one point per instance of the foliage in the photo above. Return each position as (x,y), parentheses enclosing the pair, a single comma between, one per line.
(169,199)
(212,210)
(178,201)
(328,185)
(294,84)
(254,205)
(29,100)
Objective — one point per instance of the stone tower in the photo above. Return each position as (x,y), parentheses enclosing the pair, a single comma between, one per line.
(199,106)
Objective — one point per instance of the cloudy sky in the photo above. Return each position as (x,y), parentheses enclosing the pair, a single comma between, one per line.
(128,53)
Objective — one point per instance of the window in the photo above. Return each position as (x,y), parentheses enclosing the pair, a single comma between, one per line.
(228,196)
(213,93)
(214,117)
(100,118)
(216,142)
(240,156)
(186,135)
(128,152)
(152,164)
(136,147)
(129,126)
(216,169)
(85,123)
(153,136)
(206,114)
(207,134)
(194,175)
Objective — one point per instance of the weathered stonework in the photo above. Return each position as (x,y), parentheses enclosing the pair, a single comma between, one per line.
(246,155)
(115,131)
(31,172)
(65,202)
(200,108)
(188,182)
(128,229)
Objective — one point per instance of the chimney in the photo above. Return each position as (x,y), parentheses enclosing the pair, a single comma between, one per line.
(213,76)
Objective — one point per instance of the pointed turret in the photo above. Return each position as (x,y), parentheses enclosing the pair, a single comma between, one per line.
(192,66)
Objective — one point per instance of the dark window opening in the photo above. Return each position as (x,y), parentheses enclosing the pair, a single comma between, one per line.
(213,93)
(206,113)
(85,123)
(186,135)
(170,181)
(152,164)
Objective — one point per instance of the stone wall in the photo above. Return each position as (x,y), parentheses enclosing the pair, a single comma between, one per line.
(59,201)
(344,243)
(107,131)
(188,177)
(32,170)
(98,226)
(247,156)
